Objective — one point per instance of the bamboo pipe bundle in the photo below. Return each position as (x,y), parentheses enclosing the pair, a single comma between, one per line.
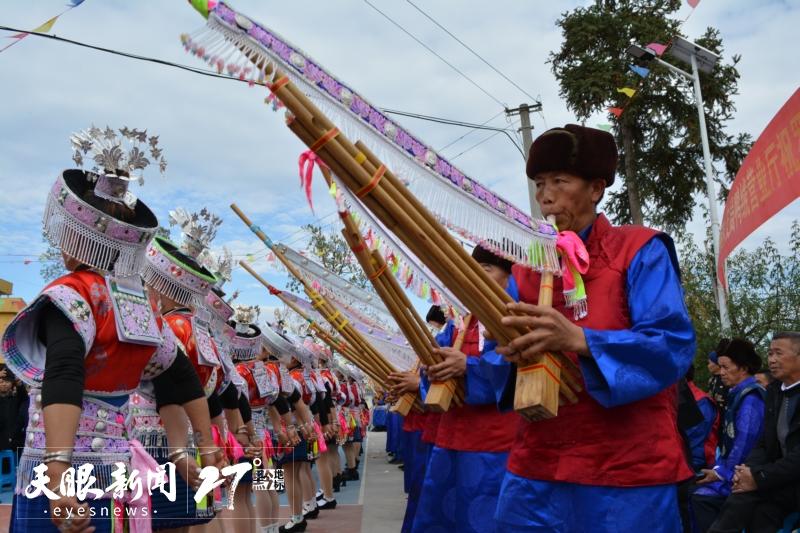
(537,384)
(401,213)
(420,237)
(346,350)
(341,324)
(326,309)
(411,324)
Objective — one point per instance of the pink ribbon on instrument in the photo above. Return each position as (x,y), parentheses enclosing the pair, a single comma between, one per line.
(574,253)
(320,438)
(575,262)
(306,163)
(236,450)
(145,465)
(269,449)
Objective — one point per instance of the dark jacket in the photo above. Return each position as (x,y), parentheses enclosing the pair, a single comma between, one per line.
(771,470)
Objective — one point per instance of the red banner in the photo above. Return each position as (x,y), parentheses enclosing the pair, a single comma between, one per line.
(768,180)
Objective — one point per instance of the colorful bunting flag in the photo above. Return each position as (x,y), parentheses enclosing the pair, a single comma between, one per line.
(641,71)
(658,48)
(42,28)
(47,26)
(604,127)
(616,111)
(627,91)
(693,3)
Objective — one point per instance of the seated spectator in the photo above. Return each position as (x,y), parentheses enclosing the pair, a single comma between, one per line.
(716,388)
(698,423)
(742,426)
(767,489)
(702,438)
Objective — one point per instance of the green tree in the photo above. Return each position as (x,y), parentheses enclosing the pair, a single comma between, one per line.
(333,253)
(51,264)
(661,159)
(763,296)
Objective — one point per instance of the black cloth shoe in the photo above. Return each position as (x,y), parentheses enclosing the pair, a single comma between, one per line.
(337,483)
(352,474)
(293,526)
(322,503)
(311,515)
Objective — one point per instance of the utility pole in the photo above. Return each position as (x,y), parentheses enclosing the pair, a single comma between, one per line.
(524,112)
(701,60)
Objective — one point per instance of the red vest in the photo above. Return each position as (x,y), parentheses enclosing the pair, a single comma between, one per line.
(246,371)
(631,445)
(710,446)
(305,391)
(111,365)
(414,421)
(430,427)
(475,428)
(181,324)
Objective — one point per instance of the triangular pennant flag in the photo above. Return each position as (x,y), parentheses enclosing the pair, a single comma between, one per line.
(659,49)
(641,71)
(47,26)
(332,189)
(627,91)
(616,111)
(17,36)
(693,3)
(604,127)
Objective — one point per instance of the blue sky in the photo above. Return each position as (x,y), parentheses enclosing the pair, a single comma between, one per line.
(224,145)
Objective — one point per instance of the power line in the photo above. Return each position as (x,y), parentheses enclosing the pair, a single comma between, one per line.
(476,54)
(470,125)
(451,143)
(495,134)
(429,49)
(444,120)
(213,74)
(129,55)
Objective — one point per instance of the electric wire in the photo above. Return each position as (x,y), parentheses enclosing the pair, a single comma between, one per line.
(472,51)
(432,51)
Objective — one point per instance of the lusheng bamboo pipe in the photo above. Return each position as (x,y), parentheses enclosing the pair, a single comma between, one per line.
(415,232)
(329,312)
(306,115)
(297,128)
(357,246)
(339,346)
(307,138)
(375,267)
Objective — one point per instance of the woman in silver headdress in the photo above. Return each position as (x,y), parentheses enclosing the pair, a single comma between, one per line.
(87,341)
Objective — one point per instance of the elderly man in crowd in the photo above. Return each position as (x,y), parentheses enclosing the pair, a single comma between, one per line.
(767,488)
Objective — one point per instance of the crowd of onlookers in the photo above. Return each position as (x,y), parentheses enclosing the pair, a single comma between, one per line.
(13,412)
(743,438)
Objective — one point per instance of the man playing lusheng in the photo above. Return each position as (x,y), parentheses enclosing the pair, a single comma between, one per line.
(610,462)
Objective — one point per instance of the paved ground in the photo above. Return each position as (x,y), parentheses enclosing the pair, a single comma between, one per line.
(375,504)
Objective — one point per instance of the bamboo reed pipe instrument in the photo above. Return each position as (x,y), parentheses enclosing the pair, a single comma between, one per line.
(440,395)
(388,199)
(339,345)
(370,356)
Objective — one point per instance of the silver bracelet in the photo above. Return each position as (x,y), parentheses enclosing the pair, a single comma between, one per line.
(59,457)
(179,451)
(210,452)
(181,455)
